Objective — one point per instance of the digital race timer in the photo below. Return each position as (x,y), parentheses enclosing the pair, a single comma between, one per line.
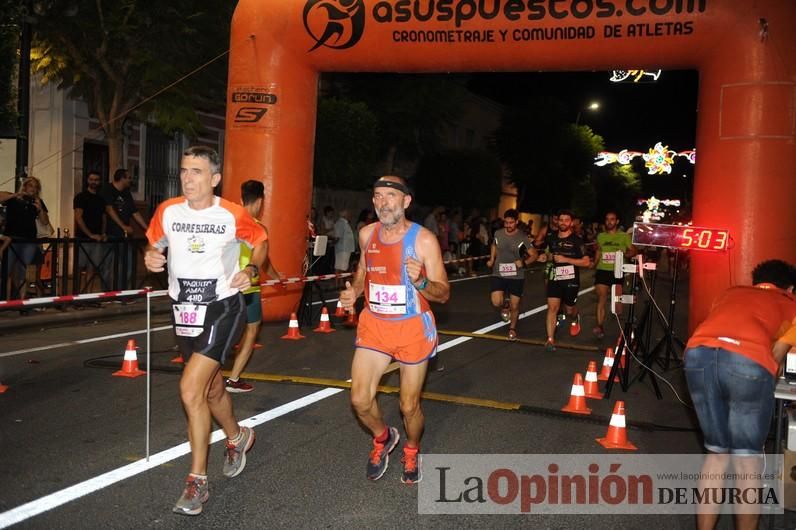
(680,236)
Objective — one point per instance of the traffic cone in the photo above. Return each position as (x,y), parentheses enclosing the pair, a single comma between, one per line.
(324,326)
(608,363)
(293,329)
(616,437)
(3,388)
(352,321)
(590,387)
(339,311)
(577,398)
(178,360)
(130,362)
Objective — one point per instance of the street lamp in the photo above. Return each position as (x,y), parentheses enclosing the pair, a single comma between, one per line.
(593,106)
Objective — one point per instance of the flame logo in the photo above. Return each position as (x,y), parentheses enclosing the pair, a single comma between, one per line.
(336,24)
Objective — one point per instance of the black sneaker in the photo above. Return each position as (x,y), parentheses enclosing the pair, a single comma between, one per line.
(412,461)
(380,454)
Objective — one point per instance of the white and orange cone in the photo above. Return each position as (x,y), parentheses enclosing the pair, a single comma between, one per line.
(339,311)
(577,398)
(590,386)
(352,321)
(616,437)
(608,363)
(324,326)
(130,362)
(293,329)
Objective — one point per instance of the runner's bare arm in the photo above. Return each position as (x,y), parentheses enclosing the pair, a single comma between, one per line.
(492,255)
(436,288)
(243,278)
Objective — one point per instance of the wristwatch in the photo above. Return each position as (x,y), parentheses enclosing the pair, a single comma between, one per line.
(422,285)
(253,267)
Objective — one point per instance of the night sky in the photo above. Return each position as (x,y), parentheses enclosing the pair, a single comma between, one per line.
(632,116)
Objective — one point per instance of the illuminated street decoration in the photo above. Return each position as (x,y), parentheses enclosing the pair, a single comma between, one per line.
(654,211)
(657,160)
(634,76)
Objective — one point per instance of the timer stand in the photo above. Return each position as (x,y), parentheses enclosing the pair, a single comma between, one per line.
(630,341)
(669,339)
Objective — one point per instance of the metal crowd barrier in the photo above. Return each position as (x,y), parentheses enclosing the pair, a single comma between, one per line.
(71,266)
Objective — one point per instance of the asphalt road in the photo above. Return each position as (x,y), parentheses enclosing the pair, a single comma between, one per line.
(67,426)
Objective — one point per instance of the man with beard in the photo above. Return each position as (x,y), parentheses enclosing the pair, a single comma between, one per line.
(510,252)
(609,243)
(567,255)
(400,272)
(89,209)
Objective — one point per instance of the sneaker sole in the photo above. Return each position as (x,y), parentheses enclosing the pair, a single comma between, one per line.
(195,511)
(246,449)
(419,472)
(232,390)
(387,457)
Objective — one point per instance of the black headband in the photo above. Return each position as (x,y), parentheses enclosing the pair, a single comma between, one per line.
(391,184)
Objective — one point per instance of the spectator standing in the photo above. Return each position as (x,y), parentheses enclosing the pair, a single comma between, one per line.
(89,208)
(121,210)
(23,210)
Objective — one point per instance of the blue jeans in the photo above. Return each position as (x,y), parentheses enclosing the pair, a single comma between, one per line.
(733,397)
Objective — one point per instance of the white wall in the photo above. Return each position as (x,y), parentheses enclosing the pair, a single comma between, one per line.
(8,163)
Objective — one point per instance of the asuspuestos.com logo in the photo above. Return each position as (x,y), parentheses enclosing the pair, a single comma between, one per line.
(461,11)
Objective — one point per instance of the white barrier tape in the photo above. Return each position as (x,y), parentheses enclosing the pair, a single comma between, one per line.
(110,295)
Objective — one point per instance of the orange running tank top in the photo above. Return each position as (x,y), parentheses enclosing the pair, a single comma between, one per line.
(388,290)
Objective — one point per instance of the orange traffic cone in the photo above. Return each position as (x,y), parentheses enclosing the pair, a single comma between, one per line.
(324,326)
(3,388)
(590,387)
(608,363)
(616,437)
(293,329)
(352,321)
(178,359)
(577,398)
(339,311)
(130,362)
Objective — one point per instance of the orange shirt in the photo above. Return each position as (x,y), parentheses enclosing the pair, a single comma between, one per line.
(747,321)
(389,292)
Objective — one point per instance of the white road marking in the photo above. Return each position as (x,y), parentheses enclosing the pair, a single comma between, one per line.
(59,498)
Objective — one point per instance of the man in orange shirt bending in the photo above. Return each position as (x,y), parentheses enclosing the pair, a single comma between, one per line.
(731,372)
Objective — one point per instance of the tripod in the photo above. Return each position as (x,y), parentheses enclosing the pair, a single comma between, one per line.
(306,313)
(631,340)
(669,339)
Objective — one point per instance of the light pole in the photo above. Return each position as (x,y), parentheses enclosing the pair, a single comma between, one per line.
(593,106)
(23,97)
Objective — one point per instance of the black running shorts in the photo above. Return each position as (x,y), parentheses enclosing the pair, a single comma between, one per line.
(565,290)
(514,286)
(212,332)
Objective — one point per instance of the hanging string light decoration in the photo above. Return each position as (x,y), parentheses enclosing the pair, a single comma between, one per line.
(657,160)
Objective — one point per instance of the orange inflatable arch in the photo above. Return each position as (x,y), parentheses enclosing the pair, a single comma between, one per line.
(745,53)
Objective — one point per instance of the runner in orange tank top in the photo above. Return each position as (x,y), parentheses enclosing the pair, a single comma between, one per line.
(400,272)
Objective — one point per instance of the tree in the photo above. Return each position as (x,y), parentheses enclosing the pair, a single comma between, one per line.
(412,110)
(115,54)
(9,58)
(459,178)
(546,156)
(344,148)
